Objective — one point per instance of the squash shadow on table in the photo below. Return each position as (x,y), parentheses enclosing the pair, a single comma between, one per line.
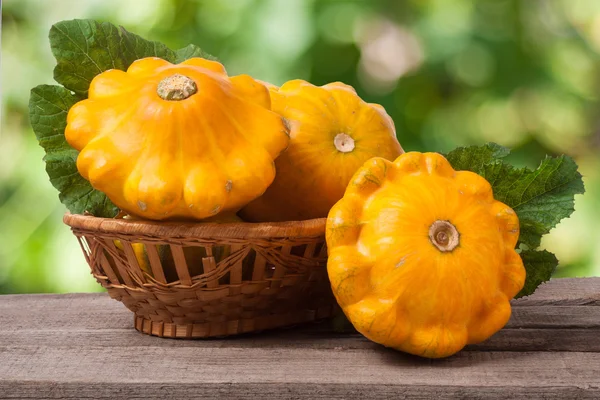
(468,357)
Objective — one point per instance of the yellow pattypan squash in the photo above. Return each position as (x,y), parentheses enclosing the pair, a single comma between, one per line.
(140,254)
(333,132)
(421,257)
(176,141)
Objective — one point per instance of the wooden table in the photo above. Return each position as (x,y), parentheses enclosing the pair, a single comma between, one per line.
(83,346)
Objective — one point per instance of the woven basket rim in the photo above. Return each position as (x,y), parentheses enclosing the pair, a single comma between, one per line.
(307,228)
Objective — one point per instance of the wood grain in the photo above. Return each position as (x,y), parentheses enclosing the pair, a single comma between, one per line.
(566,291)
(83,346)
(308,390)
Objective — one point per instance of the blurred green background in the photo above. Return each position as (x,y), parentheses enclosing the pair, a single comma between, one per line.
(524,74)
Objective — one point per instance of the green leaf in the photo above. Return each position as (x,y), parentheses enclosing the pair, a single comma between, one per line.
(191,51)
(135,47)
(84,48)
(476,158)
(48,108)
(540,265)
(540,197)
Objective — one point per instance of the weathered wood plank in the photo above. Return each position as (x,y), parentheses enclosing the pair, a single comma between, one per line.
(549,316)
(68,311)
(296,365)
(84,346)
(73,311)
(57,320)
(565,340)
(307,390)
(566,292)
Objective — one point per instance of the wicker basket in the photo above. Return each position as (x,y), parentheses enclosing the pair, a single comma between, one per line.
(204,280)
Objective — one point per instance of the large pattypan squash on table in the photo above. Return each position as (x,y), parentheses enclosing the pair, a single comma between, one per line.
(176,141)
(421,257)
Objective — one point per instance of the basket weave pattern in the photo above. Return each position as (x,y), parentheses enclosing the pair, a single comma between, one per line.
(206,280)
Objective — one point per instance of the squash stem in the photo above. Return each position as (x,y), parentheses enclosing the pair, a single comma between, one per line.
(444,235)
(343,142)
(176,87)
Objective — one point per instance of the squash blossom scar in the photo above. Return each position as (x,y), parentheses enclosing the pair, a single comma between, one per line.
(401,262)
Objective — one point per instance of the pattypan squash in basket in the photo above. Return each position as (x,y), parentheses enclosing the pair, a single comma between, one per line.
(333,132)
(169,141)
